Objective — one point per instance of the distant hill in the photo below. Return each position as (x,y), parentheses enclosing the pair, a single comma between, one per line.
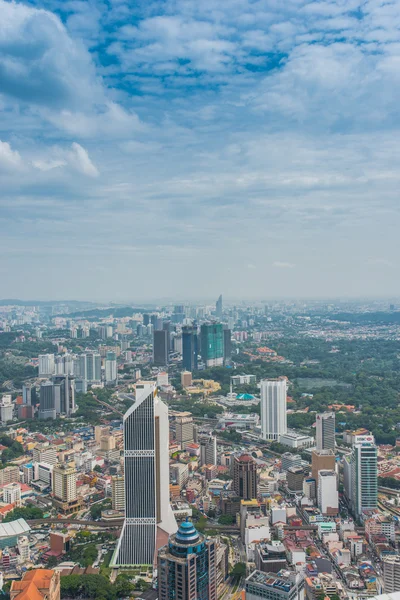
(17,302)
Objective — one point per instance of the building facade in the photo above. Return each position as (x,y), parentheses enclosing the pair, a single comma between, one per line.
(325,431)
(212,344)
(190,348)
(245,477)
(187,566)
(273,408)
(148,515)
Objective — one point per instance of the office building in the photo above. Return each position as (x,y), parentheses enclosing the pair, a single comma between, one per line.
(322,460)
(294,478)
(160,347)
(12,494)
(227,345)
(290,460)
(148,515)
(47,407)
(64,483)
(364,475)
(29,394)
(270,557)
(190,348)
(273,408)
(118,492)
(245,477)
(184,429)
(212,344)
(287,585)
(219,308)
(60,543)
(46,365)
(208,450)
(64,394)
(328,497)
(6,409)
(187,566)
(37,584)
(111,368)
(325,431)
(391,574)
(179,474)
(45,454)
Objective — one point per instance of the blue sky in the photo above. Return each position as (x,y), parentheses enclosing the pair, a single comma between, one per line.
(183,149)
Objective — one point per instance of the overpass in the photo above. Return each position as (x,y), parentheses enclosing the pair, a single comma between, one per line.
(104,524)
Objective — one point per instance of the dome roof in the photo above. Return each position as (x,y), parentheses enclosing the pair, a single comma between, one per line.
(187,534)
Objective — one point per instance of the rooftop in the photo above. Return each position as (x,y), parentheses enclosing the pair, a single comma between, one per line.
(17,527)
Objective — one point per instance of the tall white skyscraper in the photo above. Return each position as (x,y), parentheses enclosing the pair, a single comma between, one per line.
(148,515)
(273,408)
(111,368)
(46,365)
(328,497)
(364,474)
(325,431)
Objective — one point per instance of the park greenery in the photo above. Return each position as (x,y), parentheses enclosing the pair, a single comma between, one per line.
(28,513)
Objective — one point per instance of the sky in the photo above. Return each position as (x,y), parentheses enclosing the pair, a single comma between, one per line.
(186,148)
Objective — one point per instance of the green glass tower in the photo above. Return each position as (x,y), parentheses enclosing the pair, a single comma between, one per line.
(212,344)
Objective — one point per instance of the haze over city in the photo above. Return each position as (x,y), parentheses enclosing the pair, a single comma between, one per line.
(171,149)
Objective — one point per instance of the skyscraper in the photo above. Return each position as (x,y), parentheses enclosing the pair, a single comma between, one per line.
(160,347)
(326,431)
(212,344)
(64,394)
(187,566)
(208,450)
(190,348)
(118,492)
(273,408)
(245,477)
(29,394)
(218,307)
(364,474)
(47,407)
(227,344)
(322,460)
(46,365)
(93,365)
(64,483)
(148,516)
(328,497)
(184,429)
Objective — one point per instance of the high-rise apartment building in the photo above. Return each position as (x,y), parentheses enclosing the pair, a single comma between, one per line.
(93,366)
(47,407)
(12,494)
(9,474)
(46,365)
(208,450)
(111,368)
(148,514)
(328,497)
(190,348)
(160,347)
(118,492)
(212,344)
(322,460)
(45,454)
(273,408)
(391,574)
(6,409)
(184,429)
(364,475)
(245,477)
(187,566)
(325,431)
(64,483)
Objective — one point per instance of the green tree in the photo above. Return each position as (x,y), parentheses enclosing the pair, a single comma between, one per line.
(239,570)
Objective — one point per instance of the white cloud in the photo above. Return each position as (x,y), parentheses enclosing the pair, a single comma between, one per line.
(79,158)
(9,159)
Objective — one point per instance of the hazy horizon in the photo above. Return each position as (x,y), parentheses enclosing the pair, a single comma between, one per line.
(185,149)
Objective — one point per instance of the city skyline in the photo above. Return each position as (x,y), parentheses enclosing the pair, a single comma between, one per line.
(248,139)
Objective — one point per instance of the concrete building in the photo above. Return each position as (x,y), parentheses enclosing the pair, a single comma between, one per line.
(12,494)
(290,460)
(148,515)
(161,347)
(47,406)
(6,409)
(208,450)
(322,460)
(111,372)
(46,365)
(273,408)
(245,477)
(325,431)
(391,574)
(118,492)
(187,566)
(364,475)
(328,497)
(44,454)
(270,557)
(64,483)
(9,474)
(296,440)
(184,429)
(179,474)
(295,477)
(186,379)
(288,585)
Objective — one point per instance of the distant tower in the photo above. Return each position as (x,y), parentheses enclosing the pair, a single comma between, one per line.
(148,515)
(245,477)
(190,348)
(187,566)
(218,308)
(273,408)
(47,408)
(326,431)
(208,450)
(364,475)
(161,347)
(212,344)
